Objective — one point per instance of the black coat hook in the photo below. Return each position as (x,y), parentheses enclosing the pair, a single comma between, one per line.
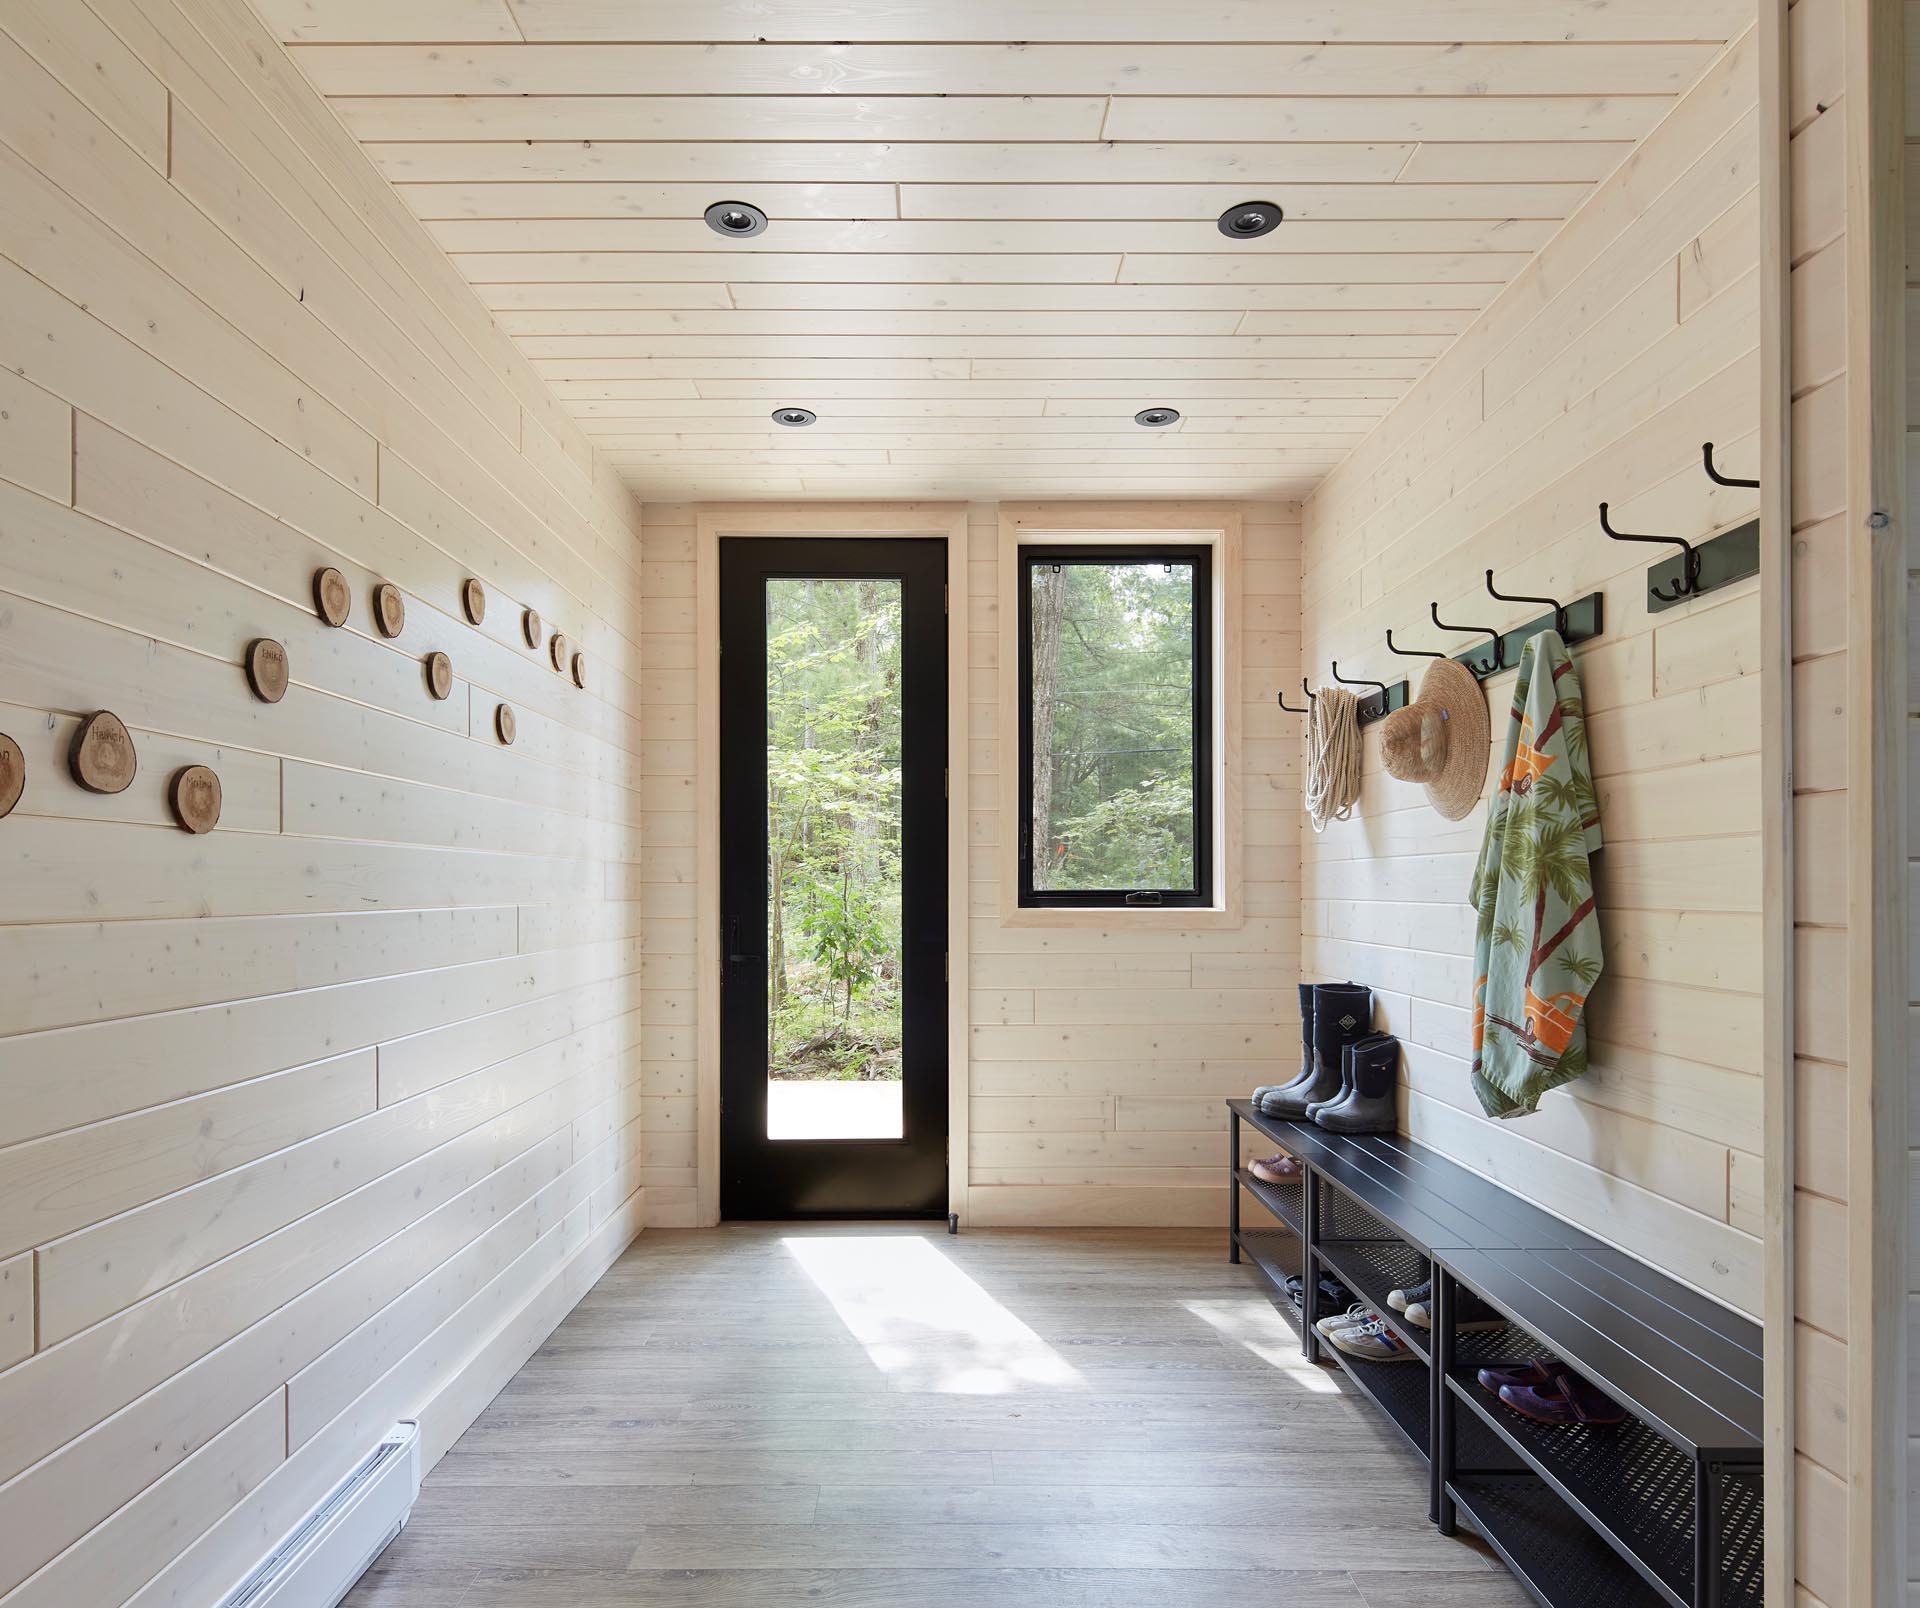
(1689,582)
(1497,662)
(1280,697)
(1357,681)
(1713,474)
(1559,611)
(1411,653)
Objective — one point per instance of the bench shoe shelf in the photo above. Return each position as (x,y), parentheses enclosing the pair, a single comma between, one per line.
(1582,1515)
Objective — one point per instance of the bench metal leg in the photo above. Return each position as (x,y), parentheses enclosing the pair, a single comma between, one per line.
(1233,1186)
(1441,1434)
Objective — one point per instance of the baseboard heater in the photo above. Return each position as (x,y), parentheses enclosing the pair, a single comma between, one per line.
(321,1557)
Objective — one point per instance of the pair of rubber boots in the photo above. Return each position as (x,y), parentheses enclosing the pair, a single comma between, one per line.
(1348,1072)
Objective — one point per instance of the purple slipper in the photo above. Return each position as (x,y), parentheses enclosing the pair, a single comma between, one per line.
(1567,1399)
(1279,1168)
(1521,1375)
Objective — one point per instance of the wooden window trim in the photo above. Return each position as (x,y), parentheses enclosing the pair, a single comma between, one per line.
(1118,525)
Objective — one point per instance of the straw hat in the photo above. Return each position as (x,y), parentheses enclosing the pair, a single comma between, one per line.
(1442,738)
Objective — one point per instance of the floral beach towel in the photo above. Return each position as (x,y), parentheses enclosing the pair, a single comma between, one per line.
(1536,947)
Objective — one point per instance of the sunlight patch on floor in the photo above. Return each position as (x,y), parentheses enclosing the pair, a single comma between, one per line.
(798,1109)
(925,1324)
(1255,1325)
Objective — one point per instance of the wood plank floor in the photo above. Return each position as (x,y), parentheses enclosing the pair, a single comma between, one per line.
(886,1417)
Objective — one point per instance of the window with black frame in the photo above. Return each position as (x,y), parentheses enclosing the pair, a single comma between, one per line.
(1115,699)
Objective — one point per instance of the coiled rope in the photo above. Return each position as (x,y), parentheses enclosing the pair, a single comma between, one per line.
(1333,756)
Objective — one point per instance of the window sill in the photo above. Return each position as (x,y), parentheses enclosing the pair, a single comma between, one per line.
(1121,917)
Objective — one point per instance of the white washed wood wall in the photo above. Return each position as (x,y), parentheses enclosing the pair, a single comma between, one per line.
(1595,376)
(328,1117)
(1100,1058)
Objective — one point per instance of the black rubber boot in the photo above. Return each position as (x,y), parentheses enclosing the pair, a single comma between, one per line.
(1369,1108)
(1306,1048)
(1342,1012)
(1346,1082)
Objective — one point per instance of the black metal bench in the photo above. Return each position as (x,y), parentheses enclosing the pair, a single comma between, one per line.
(1582,1515)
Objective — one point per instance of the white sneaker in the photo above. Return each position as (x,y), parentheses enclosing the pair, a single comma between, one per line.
(1355,1316)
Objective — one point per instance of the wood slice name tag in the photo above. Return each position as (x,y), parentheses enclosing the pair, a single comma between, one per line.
(332,596)
(558,648)
(504,724)
(194,794)
(13,774)
(102,758)
(439,675)
(267,669)
(389,609)
(473,598)
(530,627)
(579,669)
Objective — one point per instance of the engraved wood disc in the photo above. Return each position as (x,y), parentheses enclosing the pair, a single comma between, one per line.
(332,596)
(473,598)
(194,794)
(13,774)
(439,675)
(389,609)
(579,669)
(504,724)
(530,627)
(267,669)
(557,648)
(102,758)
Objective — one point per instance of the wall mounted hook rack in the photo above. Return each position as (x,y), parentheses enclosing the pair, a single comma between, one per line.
(1559,614)
(1719,479)
(1687,583)
(1579,621)
(1478,667)
(1376,705)
(1411,653)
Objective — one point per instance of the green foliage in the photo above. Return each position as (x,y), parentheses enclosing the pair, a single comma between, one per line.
(1113,716)
(833,828)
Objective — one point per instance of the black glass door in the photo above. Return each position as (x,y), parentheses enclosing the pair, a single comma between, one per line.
(833,915)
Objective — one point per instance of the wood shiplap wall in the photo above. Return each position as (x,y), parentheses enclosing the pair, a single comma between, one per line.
(1631,339)
(328,1117)
(1100,1057)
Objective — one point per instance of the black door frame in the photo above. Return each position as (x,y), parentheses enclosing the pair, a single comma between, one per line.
(761,1178)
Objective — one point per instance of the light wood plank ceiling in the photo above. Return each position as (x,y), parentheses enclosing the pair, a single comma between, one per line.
(992,233)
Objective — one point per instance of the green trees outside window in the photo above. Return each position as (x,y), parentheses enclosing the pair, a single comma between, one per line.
(833,829)
(1113,771)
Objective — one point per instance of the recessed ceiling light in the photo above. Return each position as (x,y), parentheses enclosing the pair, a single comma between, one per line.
(1251,219)
(794,418)
(740,218)
(1157,418)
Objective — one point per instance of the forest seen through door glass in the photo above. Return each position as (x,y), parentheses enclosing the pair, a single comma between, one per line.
(1111,647)
(833,858)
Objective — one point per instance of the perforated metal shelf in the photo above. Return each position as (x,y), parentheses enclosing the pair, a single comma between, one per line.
(1634,1485)
(1275,1254)
(1284,1201)
(1401,1390)
(1371,1271)
(1550,1551)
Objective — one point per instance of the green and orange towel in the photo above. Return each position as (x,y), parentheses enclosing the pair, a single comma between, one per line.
(1536,947)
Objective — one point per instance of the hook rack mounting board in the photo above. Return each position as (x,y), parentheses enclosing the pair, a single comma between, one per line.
(1731,556)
